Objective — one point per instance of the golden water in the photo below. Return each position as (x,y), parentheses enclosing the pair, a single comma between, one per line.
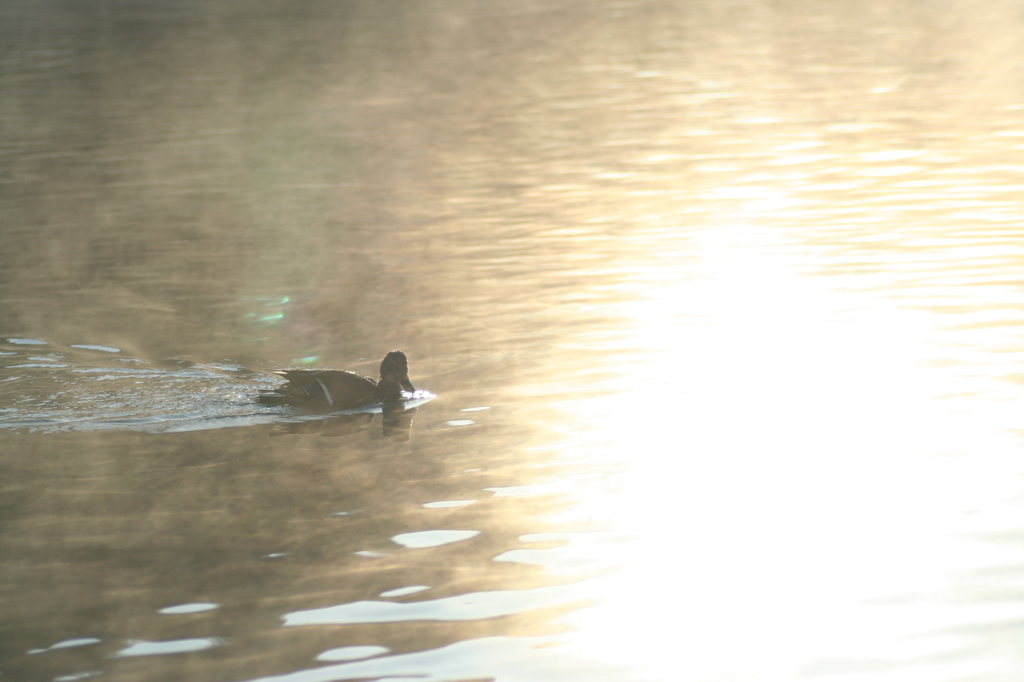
(722,303)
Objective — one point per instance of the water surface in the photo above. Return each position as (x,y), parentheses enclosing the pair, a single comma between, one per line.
(721,303)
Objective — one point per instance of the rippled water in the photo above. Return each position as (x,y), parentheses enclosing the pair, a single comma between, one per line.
(721,303)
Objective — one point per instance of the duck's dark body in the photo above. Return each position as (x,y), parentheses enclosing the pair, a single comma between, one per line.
(333,389)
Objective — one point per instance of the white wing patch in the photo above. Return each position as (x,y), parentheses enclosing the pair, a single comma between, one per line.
(330,400)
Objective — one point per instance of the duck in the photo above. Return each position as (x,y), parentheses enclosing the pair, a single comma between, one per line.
(335,389)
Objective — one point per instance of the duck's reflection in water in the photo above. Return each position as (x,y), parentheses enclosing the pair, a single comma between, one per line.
(397,424)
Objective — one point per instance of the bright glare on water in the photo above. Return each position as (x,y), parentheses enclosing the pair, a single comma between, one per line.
(715,312)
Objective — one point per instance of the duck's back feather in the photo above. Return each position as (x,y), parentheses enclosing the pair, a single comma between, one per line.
(329,389)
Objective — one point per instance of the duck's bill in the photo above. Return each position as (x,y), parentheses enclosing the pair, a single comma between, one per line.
(407,385)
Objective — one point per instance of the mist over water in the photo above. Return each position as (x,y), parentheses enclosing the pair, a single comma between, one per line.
(721,303)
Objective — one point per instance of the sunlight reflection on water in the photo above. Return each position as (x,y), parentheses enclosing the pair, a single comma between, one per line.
(473,606)
(812,462)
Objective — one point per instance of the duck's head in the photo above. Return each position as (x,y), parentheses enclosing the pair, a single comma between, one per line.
(395,370)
